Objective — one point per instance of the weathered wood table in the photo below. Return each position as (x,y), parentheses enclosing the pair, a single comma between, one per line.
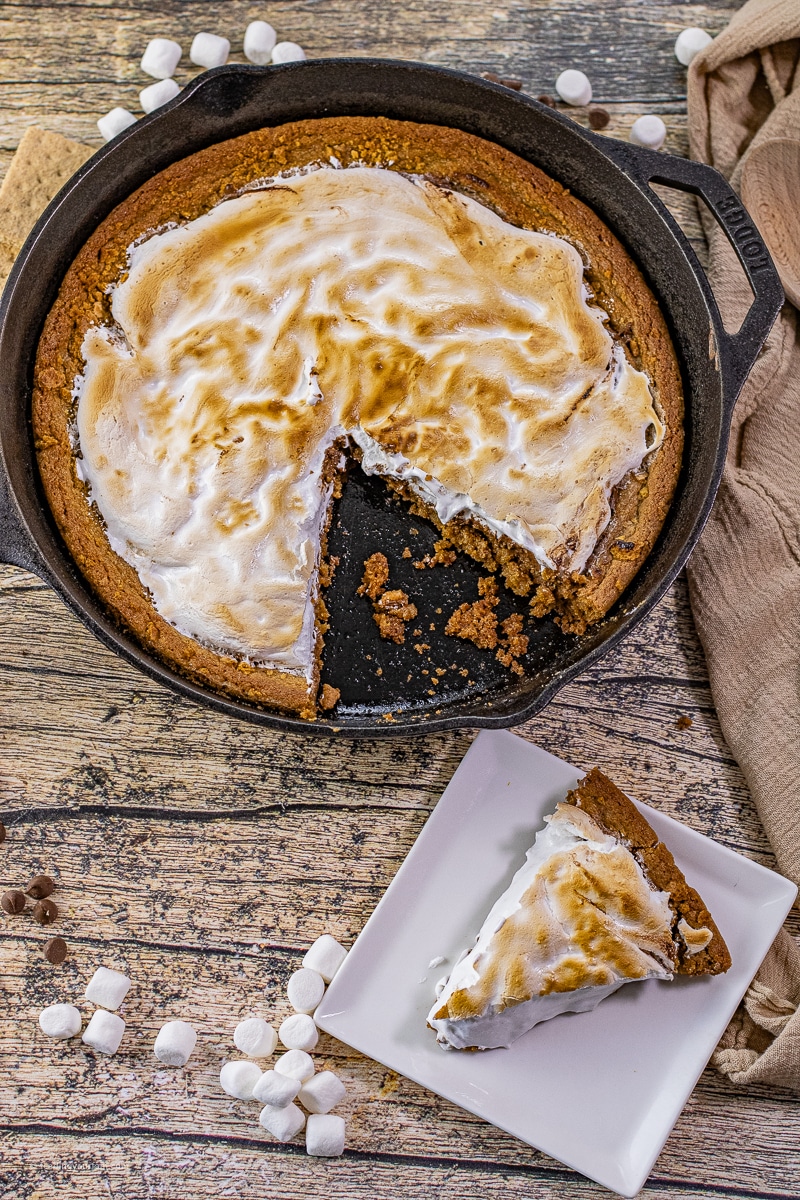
(203,855)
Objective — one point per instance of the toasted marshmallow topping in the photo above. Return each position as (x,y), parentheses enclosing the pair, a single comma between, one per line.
(577,921)
(458,349)
(695,940)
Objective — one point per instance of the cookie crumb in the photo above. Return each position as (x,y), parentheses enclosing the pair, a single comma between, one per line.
(442,555)
(513,644)
(391,613)
(543,601)
(376,576)
(391,608)
(684,722)
(477,622)
(329,696)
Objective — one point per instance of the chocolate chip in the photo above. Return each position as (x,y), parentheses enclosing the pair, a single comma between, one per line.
(45,912)
(40,886)
(2,832)
(13,903)
(514,84)
(598,118)
(55,950)
(548,100)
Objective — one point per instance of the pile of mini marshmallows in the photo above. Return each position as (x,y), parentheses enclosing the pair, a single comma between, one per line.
(573,87)
(107,989)
(161,58)
(293,1075)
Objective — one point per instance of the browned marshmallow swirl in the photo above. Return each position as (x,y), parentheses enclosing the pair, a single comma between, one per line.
(578,920)
(456,349)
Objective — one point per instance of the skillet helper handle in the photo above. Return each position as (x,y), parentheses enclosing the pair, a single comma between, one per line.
(738,351)
(15,546)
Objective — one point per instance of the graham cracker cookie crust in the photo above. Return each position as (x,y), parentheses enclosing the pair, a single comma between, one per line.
(618,816)
(517,191)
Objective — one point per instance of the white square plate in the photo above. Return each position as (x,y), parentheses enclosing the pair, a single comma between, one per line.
(600,1091)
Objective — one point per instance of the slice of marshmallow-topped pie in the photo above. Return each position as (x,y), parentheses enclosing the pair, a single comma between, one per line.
(268,310)
(599,902)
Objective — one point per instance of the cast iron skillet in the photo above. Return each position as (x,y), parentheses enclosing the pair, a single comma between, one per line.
(388,689)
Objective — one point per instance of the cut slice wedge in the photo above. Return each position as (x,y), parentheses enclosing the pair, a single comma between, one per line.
(599,902)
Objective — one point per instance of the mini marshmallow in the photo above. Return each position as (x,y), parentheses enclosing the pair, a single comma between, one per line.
(175,1043)
(325,957)
(60,1021)
(255,1038)
(298,1032)
(690,42)
(325,1135)
(574,88)
(209,50)
(283,1123)
(161,58)
(322,1093)
(275,1089)
(107,988)
(104,1031)
(648,131)
(156,94)
(114,122)
(296,1064)
(305,990)
(239,1078)
(259,42)
(288,52)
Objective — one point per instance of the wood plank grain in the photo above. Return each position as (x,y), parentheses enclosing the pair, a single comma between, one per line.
(204,853)
(535,42)
(135,759)
(136,733)
(262,871)
(114,910)
(626,49)
(132,1093)
(139,1167)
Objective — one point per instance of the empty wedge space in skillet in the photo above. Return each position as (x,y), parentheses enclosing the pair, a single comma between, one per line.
(472,375)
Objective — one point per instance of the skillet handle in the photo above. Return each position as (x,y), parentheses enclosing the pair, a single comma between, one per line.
(737,351)
(15,546)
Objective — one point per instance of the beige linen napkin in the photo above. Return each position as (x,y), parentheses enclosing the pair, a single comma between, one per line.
(744,576)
